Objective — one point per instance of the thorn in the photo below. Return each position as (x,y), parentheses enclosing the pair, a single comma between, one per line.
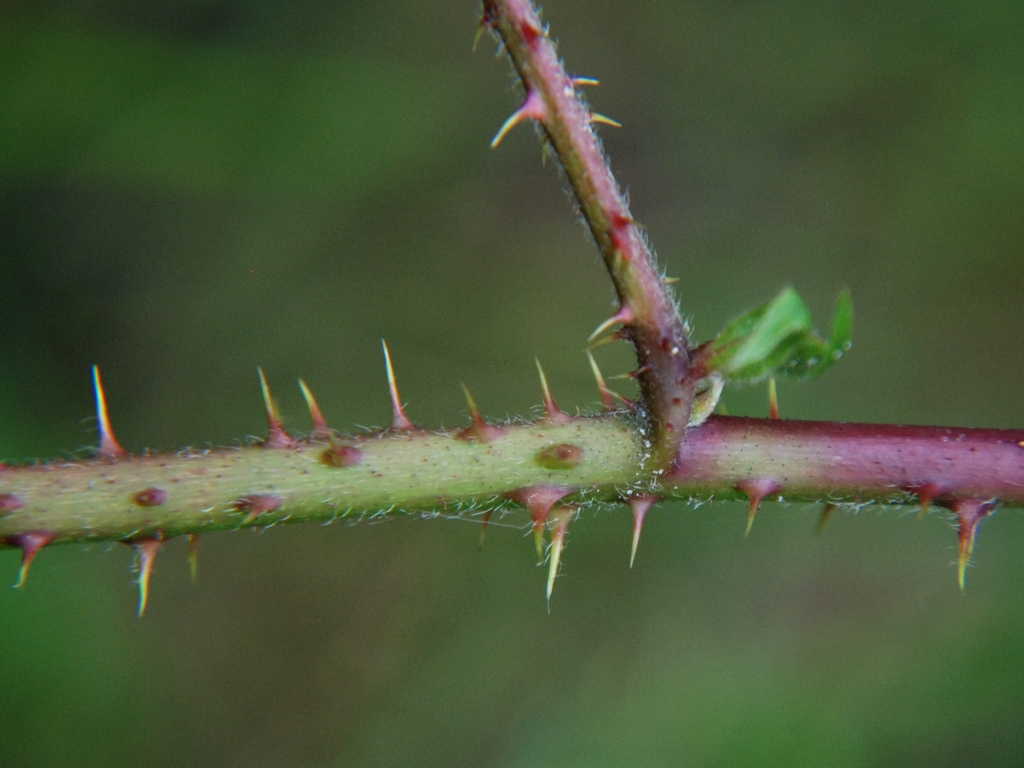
(532,109)
(756,489)
(773,399)
(29,543)
(320,428)
(615,336)
(193,556)
(552,413)
(399,421)
(969,512)
(826,513)
(146,550)
(670,280)
(483,527)
(607,401)
(560,517)
(597,117)
(482,26)
(479,430)
(109,447)
(276,436)
(926,493)
(577,81)
(640,505)
(624,316)
(632,374)
(538,500)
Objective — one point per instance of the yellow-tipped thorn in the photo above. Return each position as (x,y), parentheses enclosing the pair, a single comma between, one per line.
(640,506)
(320,428)
(29,543)
(969,512)
(552,413)
(532,109)
(773,399)
(479,430)
(607,401)
(146,551)
(276,436)
(670,280)
(826,514)
(597,117)
(624,315)
(193,556)
(538,539)
(108,447)
(576,81)
(754,505)
(560,517)
(399,420)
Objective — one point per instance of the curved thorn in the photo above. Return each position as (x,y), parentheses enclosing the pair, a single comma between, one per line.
(320,428)
(576,81)
(624,316)
(108,447)
(532,109)
(399,421)
(146,550)
(607,401)
(597,117)
(773,399)
(29,543)
(276,436)
(552,413)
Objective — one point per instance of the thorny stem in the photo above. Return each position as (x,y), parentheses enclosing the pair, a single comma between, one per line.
(153,498)
(647,311)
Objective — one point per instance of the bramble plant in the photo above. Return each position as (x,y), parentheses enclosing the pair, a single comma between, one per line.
(667,444)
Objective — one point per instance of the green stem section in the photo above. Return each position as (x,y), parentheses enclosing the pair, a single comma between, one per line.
(594,459)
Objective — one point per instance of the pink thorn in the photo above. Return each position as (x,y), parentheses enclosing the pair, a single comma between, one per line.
(479,430)
(276,436)
(552,413)
(926,493)
(624,316)
(29,543)
(399,421)
(532,109)
(320,429)
(756,489)
(640,506)
(969,512)
(538,500)
(109,447)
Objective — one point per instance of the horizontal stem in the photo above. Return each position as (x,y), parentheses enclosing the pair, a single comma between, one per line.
(595,459)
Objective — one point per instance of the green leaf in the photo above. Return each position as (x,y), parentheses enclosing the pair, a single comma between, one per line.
(778,338)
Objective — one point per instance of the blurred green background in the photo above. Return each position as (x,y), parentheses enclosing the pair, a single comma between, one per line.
(191,188)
